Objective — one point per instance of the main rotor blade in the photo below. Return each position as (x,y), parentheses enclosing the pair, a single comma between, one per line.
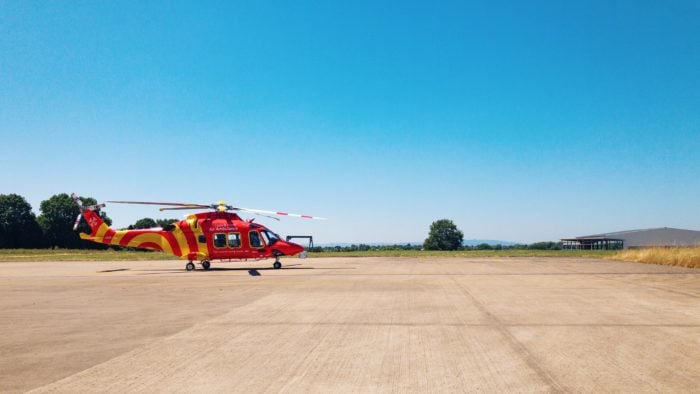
(260,211)
(185,208)
(267,216)
(174,204)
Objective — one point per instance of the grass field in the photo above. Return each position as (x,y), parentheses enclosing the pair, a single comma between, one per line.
(681,257)
(78,255)
(469,253)
(111,255)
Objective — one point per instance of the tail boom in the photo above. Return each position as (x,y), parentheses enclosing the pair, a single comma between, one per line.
(175,241)
(171,242)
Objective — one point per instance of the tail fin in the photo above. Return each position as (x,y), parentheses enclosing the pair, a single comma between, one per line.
(93,219)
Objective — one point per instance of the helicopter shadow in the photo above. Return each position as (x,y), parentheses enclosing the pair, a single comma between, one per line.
(251,271)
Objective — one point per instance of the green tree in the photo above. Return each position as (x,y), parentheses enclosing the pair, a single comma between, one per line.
(444,235)
(165,222)
(18,225)
(150,223)
(58,214)
(144,223)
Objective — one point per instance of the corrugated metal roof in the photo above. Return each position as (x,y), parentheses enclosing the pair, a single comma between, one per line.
(592,237)
(627,232)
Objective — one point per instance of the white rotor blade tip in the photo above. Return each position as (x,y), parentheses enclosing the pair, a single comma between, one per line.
(77,221)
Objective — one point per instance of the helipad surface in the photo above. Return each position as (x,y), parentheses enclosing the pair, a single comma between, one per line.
(350,325)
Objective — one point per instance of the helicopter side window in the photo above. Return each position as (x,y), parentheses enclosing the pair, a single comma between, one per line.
(270,237)
(234,240)
(220,240)
(255,241)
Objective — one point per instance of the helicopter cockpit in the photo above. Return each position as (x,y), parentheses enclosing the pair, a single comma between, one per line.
(270,237)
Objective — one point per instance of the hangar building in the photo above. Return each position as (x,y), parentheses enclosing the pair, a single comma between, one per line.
(663,236)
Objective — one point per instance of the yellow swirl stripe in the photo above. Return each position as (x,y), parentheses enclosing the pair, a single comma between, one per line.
(154,238)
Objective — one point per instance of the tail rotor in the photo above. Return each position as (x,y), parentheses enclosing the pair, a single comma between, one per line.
(80,215)
(77,221)
(82,209)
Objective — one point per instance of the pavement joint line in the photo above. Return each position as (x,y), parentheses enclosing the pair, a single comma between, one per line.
(517,274)
(638,285)
(277,275)
(656,288)
(687,294)
(368,324)
(519,348)
(139,348)
(157,340)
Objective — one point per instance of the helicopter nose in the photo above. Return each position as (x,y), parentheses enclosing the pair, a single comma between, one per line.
(295,248)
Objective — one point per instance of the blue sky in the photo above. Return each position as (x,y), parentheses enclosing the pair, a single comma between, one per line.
(520,121)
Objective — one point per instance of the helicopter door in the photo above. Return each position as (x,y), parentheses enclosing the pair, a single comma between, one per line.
(257,245)
(227,245)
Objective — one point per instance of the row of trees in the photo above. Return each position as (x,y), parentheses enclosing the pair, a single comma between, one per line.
(483,246)
(443,235)
(20,228)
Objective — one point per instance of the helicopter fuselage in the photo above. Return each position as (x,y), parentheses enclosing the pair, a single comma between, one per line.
(203,236)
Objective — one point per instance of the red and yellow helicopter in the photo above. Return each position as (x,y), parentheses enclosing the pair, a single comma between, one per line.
(218,234)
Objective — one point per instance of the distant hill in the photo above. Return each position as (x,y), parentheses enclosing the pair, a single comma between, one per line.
(343,244)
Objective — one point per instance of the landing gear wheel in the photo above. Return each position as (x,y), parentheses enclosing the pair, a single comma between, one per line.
(206,265)
(189,266)
(277,265)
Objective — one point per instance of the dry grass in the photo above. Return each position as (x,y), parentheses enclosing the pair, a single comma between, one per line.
(469,253)
(17,255)
(680,257)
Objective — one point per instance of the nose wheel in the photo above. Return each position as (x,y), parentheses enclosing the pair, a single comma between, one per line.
(277,265)
(206,265)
